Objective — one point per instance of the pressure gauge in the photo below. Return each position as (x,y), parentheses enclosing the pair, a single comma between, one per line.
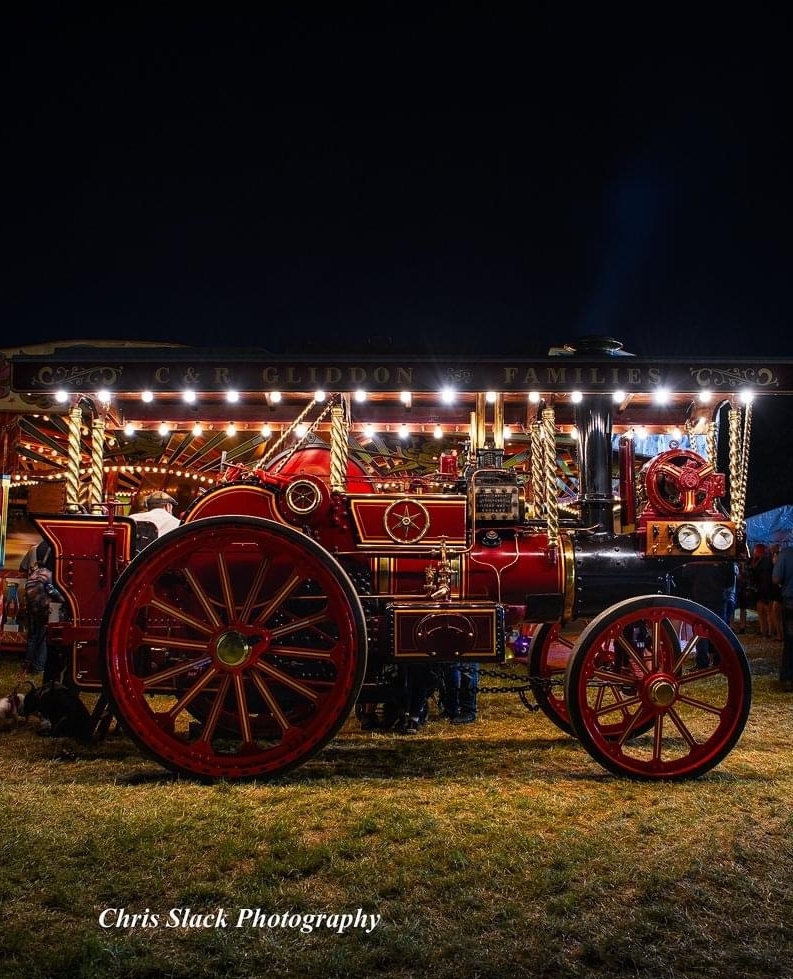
(721,538)
(688,537)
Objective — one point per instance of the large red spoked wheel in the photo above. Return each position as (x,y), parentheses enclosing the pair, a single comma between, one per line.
(630,667)
(233,648)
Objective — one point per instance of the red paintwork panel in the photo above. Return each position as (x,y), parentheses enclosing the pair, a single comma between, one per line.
(90,554)
(235,498)
(398,520)
(518,567)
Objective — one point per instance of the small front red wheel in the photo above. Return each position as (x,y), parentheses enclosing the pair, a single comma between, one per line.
(678,720)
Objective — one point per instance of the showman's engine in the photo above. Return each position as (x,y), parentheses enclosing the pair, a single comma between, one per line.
(297,594)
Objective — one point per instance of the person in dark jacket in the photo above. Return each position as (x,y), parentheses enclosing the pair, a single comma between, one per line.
(783,576)
(705,582)
(760,571)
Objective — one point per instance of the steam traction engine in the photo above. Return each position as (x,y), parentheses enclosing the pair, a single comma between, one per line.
(238,644)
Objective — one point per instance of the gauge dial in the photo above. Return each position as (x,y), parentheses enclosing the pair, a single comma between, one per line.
(688,537)
(721,538)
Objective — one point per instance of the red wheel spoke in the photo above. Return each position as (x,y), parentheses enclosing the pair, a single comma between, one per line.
(611,678)
(202,597)
(270,700)
(658,738)
(634,656)
(308,620)
(180,616)
(201,683)
(225,584)
(279,598)
(634,727)
(255,589)
(242,709)
(700,673)
(287,680)
(299,653)
(171,642)
(214,714)
(688,737)
(620,703)
(657,641)
(685,653)
(153,679)
(701,705)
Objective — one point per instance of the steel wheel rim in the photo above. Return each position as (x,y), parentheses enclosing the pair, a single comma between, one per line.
(549,655)
(695,715)
(233,648)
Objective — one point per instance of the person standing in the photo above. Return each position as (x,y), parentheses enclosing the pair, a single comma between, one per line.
(760,573)
(783,576)
(730,596)
(39,590)
(159,511)
(777,630)
(741,595)
(461,690)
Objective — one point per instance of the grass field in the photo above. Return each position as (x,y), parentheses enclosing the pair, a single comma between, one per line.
(499,848)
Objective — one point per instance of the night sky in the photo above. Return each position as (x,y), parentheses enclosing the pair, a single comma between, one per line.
(347,176)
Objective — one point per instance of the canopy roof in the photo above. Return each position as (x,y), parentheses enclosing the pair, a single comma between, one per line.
(181,410)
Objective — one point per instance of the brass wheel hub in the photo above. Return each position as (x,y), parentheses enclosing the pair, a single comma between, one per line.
(662,692)
(233,649)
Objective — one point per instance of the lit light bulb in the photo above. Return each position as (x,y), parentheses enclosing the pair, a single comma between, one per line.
(275,397)
(146,396)
(661,396)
